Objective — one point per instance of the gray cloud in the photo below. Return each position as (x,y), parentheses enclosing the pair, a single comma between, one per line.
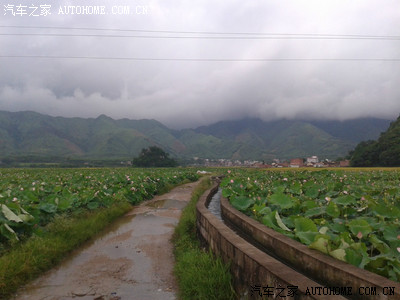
(185,94)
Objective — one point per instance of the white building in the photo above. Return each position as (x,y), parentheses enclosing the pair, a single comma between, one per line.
(312,159)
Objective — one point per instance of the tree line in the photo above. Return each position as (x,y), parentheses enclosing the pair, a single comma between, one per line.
(153,157)
(384,152)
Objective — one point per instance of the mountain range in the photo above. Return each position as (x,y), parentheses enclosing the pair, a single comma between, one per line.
(30,133)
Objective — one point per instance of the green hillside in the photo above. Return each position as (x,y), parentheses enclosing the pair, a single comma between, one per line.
(302,139)
(383,152)
(33,134)
(290,138)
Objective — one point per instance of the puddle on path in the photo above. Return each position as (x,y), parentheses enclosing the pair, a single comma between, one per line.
(156,204)
(166,203)
(132,259)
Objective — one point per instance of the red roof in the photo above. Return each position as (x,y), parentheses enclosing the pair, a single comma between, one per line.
(296,161)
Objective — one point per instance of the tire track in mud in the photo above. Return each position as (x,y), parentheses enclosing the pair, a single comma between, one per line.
(132,259)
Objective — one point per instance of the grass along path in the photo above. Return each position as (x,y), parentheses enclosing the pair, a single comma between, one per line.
(199,273)
(28,260)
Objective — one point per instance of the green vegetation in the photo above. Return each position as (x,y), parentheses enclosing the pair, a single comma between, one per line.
(350,215)
(46,213)
(31,198)
(365,155)
(200,275)
(383,152)
(153,157)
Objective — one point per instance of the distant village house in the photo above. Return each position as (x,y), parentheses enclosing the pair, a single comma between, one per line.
(296,163)
(312,159)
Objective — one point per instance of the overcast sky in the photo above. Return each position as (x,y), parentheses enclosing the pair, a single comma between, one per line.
(184,94)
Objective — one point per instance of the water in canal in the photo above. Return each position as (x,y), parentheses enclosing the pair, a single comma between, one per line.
(214,206)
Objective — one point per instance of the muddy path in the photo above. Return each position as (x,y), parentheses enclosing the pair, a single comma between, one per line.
(132,259)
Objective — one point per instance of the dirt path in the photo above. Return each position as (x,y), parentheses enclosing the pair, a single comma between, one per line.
(133,259)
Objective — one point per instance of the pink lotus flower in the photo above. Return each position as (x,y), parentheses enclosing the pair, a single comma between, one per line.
(232,181)
(359,235)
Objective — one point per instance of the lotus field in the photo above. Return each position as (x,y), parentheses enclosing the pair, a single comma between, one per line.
(352,215)
(31,198)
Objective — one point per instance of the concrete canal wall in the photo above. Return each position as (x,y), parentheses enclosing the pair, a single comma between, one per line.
(312,263)
(256,274)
